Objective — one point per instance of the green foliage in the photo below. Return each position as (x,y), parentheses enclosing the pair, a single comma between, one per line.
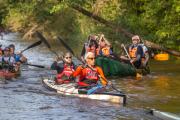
(156,20)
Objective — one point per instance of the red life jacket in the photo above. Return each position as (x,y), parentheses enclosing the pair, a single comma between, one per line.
(91,74)
(67,71)
(88,75)
(90,49)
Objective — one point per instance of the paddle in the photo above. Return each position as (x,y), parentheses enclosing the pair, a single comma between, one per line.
(65,45)
(127,55)
(138,75)
(31,46)
(39,66)
(43,39)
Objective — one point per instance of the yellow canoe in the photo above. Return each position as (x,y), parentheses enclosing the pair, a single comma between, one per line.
(161,57)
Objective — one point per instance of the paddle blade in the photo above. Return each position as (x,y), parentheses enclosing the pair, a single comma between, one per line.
(43,39)
(65,45)
(33,45)
(39,66)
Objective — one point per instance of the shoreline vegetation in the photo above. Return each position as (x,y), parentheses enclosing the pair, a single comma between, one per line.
(153,20)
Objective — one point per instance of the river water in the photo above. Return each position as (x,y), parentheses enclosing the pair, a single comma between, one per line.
(25,98)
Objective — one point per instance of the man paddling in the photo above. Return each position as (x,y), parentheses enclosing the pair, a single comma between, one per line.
(135,52)
(8,62)
(64,67)
(90,76)
(19,57)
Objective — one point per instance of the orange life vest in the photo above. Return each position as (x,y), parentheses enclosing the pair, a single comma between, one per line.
(106,51)
(133,51)
(67,71)
(88,74)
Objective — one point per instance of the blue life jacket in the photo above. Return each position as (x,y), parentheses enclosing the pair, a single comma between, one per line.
(17,57)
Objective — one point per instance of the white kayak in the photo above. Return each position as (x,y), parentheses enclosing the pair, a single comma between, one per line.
(70,90)
(164,115)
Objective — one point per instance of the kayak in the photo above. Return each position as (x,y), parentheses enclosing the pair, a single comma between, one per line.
(112,67)
(70,90)
(8,75)
(164,115)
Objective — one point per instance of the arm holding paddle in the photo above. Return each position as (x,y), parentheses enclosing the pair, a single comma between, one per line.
(20,58)
(57,64)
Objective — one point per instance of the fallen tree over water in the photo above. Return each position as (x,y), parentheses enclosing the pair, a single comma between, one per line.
(123,31)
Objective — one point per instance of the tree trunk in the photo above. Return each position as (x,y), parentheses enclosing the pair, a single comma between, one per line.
(158,47)
(101,20)
(123,31)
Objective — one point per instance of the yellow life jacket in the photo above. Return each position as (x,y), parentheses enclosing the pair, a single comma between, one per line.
(133,51)
(106,51)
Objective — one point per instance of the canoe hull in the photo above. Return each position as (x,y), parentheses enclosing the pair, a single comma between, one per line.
(8,75)
(71,90)
(164,115)
(112,67)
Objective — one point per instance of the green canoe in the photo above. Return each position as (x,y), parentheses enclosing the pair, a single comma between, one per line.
(113,67)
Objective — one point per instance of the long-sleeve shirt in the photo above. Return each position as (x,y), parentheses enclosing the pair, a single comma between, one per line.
(82,73)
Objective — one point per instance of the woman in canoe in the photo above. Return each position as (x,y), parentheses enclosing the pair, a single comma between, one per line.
(64,67)
(105,48)
(90,76)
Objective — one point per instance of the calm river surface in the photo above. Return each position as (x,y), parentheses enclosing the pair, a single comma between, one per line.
(25,98)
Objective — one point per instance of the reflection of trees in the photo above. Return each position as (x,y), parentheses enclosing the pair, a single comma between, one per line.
(161,84)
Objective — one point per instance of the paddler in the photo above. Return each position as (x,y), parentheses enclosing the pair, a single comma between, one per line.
(89,75)
(104,47)
(135,52)
(90,46)
(19,57)
(64,67)
(8,62)
(145,57)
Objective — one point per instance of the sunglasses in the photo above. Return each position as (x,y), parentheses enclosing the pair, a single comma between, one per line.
(92,58)
(135,39)
(68,57)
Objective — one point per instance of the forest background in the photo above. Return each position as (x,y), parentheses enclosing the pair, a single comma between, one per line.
(154,20)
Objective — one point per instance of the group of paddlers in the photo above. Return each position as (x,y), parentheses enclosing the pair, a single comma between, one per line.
(89,75)
(9,60)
